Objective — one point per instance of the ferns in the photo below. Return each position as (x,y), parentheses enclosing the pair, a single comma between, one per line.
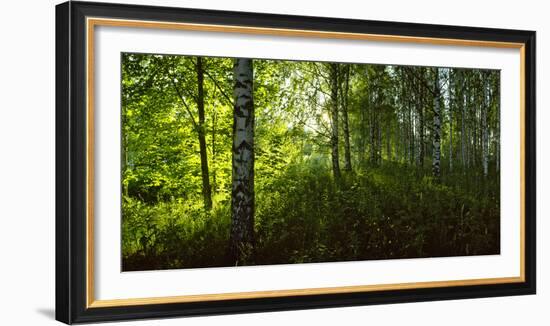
(304,216)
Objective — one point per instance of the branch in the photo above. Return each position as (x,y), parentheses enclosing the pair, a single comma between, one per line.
(229,100)
(423,83)
(182,100)
(304,123)
(317,71)
(317,87)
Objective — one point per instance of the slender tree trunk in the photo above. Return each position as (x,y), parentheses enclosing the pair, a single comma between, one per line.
(379,144)
(462,132)
(397,142)
(362,147)
(412,138)
(206,190)
(406,137)
(469,150)
(451,103)
(416,128)
(450,139)
(400,134)
(378,106)
(421,153)
(484,129)
(334,118)
(436,152)
(406,120)
(480,125)
(475,136)
(242,195)
(372,121)
(214,152)
(388,143)
(344,100)
(497,132)
(125,159)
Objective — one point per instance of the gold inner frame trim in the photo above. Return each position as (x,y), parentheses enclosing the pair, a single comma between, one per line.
(286,293)
(91,22)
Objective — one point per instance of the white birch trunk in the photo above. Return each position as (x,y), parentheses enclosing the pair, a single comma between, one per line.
(462,135)
(484,129)
(451,103)
(436,145)
(498,136)
(242,196)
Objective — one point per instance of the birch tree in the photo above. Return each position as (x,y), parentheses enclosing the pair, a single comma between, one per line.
(496,94)
(463,129)
(242,195)
(436,153)
(420,110)
(484,128)
(450,93)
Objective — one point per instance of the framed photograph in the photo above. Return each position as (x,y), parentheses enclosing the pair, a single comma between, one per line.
(215,162)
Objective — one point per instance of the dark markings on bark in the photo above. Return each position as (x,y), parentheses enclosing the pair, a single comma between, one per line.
(242,238)
(436,148)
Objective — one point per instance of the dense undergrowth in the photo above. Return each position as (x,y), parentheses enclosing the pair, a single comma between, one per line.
(305,216)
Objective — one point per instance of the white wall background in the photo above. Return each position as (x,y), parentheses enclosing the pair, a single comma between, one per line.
(27,161)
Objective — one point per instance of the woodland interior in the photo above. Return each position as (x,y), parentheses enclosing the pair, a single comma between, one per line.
(239,161)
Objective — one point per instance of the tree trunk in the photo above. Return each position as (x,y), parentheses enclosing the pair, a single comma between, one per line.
(421,126)
(484,129)
(389,153)
(451,103)
(497,131)
(469,150)
(406,121)
(475,136)
(124,160)
(361,145)
(450,139)
(242,195)
(379,144)
(397,142)
(436,152)
(214,152)
(334,118)
(463,136)
(206,190)
(344,97)
(372,121)
(412,138)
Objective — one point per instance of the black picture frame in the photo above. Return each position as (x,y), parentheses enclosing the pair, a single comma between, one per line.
(71,158)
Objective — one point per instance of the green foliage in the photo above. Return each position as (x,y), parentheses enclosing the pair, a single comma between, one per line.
(370,215)
(173,235)
(388,206)
(303,216)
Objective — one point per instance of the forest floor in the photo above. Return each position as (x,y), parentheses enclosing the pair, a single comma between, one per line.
(305,216)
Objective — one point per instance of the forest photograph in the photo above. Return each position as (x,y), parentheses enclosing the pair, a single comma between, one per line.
(242,161)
